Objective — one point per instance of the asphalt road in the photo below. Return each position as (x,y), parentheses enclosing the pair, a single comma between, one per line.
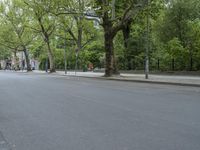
(44,112)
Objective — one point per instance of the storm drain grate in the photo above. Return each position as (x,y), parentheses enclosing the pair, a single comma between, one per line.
(3,143)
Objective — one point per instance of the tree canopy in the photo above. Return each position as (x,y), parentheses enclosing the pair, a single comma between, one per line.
(109,34)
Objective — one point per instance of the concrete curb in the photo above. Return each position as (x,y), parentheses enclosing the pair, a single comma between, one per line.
(157,82)
(137,81)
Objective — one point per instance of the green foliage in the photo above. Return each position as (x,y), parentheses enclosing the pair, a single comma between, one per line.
(4,53)
(178,28)
(90,57)
(175,48)
(175,32)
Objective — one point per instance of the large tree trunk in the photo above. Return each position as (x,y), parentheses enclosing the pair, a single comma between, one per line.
(27,60)
(51,58)
(15,60)
(115,68)
(46,37)
(109,55)
(111,65)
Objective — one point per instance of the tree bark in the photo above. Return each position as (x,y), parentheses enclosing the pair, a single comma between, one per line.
(110,67)
(115,68)
(109,54)
(51,57)
(46,38)
(109,33)
(15,60)
(27,60)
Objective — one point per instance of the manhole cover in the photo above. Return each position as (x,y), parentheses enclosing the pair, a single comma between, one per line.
(3,143)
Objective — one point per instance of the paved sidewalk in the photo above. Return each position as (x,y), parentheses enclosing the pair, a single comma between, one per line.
(153,79)
(156,79)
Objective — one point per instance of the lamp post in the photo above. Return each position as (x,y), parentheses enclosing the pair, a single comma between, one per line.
(147,43)
(22,67)
(46,65)
(76,61)
(65,53)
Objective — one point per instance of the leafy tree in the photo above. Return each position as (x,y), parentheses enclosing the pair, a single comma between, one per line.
(8,42)
(16,20)
(177,23)
(74,24)
(114,22)
(43,24)
(175,51)
(193,44)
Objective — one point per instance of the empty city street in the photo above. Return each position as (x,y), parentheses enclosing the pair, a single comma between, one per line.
(49,112)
